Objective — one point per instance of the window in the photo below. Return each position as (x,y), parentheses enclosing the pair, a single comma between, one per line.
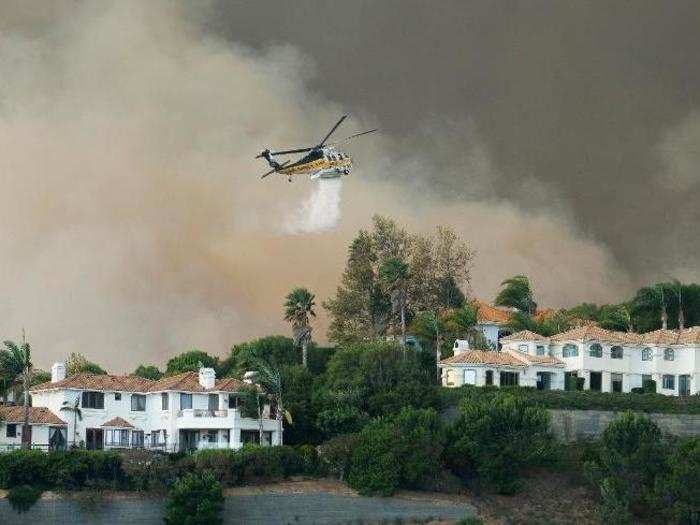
(118,396)
(616,382)
(596,350)
(137,438)
(213,401)
(185,401)
(540,350)
(510,378)
(138,402)
(489,377)
(117,438)
(11,430)
(93,400)
(669,382)
(669,354)
(569,350)
(164,401)
(470,376)
(155,438)
(647,354)
(616,352)
(522,348)
(232,401)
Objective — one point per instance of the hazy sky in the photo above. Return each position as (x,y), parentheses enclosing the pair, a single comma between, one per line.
(561,138)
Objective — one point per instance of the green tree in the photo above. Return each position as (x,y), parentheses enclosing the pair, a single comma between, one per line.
(402,451)
(148,372)
(681,486)
(195,499)
(190,361)
(681,303)
(630,459)
(77,363)
(269,378)
(299,305)
(393,274)
(516,292)
(277,349)
(16,363)
(495,439)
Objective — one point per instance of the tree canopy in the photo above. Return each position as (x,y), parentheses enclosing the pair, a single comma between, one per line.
(77,363)
(148,372)
(190,361)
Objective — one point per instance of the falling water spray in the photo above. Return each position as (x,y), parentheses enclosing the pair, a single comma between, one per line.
(320,211)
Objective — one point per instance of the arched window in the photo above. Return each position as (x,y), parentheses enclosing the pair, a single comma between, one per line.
(522,348)
(540,350)
(616,352)
(669,354)
(647,354)
(596,350)
(569,350)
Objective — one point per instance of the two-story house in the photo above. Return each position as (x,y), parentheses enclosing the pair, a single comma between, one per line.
(193,410)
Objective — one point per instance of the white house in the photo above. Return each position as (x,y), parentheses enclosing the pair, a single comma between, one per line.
(183,412)
(507,367)
(608,361)
(45,428)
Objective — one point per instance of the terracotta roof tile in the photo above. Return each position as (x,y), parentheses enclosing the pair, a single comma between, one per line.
(98,382)
(485,313)
(485,357)
(186,382)
(525,335)
(117,422)
(594,333)
(37,415)
(690,335)
(542,360)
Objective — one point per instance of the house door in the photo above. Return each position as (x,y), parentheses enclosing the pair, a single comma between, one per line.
(94,439)
(596,381)
(684,385)
(57,438)
(26,434)
(544,381)
(189,440)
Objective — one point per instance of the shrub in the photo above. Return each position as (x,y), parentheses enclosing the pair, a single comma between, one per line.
(147,470)
(681,487)
(649,386)
(404,451)
(76,469)
(89,500)
(336,454)
(193,500)
(629,461)
(23,467)
(311,463)
(494,440)
(23,497)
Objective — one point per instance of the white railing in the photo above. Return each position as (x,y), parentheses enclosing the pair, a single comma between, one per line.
(197,412)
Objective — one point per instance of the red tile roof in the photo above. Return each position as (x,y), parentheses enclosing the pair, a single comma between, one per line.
(37,415)
(484,357)
(186,382)
(485,313)
(117,422)
(524,335)
(541,360)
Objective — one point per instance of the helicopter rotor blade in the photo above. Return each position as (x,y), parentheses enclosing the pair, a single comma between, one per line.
(354,136)
(332,130)
(273,170)
(289,151)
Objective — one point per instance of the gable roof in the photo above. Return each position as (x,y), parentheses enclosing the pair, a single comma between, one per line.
(524,335)
(540,360)
(186,382)
(594,333)
(484,357)
(117,422)
(37,416)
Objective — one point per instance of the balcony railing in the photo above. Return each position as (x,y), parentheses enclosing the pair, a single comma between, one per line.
(197,412)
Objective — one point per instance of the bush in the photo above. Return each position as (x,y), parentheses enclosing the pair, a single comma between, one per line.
(649,386)
(193,500)
(336,454)
(252,463)
(681,488)
(147,470)
(494,440)
(404,451)
(23,467)
(23,497)
(311,463)
(630,460)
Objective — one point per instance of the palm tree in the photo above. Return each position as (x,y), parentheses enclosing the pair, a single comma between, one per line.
(16,362)
(270,380)
(516,293)
(74,407)
(394,274)
(664,313)
(299,305)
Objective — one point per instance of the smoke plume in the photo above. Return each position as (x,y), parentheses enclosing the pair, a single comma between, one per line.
(135,224)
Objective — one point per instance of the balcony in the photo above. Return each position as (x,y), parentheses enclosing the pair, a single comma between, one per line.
(198,412)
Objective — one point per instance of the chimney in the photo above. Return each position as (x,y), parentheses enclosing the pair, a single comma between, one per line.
(249,377)
(58,372)
(461,346)
(207,377)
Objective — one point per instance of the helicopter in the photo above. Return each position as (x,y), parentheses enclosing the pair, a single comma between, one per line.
(323,161)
